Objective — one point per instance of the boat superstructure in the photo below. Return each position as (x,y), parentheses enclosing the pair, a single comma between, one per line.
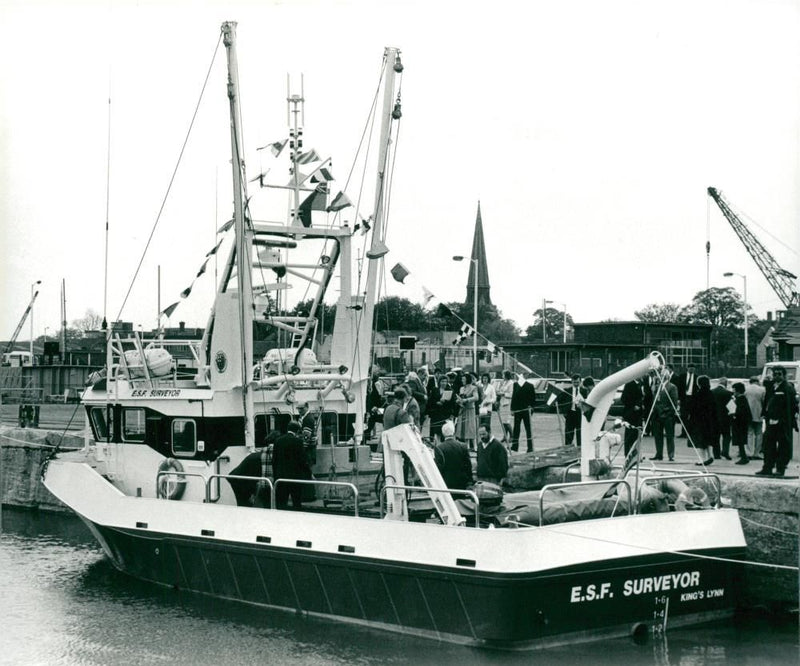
(571,562)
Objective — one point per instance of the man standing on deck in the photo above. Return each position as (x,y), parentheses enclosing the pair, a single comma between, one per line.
(289,462)
(492,458)
(452,459)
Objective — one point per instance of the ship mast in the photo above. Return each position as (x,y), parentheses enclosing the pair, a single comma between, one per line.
(244,237)
(391,111)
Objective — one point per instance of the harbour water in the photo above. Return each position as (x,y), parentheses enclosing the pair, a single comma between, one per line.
(63,602)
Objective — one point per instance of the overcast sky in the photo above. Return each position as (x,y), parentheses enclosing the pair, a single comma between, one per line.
(589,131)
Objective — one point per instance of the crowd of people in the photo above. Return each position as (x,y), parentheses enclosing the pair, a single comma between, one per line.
(756,420)
(462,409)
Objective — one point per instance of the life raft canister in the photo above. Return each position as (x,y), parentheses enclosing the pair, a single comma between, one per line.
(692,499)
(171,486)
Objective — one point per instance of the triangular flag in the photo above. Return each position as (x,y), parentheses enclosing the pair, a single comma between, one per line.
(225,226)
(214,250)
(275,148)
(260,178)
(378,250)
(490,347)
(339,201)
(427,297)
(202,269)
(185,293)
(552,394)
(170,309)
(399,273)
(315,201)
(322,175)
(308,156)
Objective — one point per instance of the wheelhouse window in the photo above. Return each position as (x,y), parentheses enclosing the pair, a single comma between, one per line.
(133,424)
(101,421)
(184,437)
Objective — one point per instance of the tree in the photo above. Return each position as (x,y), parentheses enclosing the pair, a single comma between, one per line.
(720,306)
(724,309)
(394,313)
(660,312)
(91,321)
(553,325)
(326,314)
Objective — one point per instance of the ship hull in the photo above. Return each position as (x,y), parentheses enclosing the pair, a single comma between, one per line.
(501,610)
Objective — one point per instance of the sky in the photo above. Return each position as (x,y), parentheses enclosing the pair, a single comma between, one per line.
(589,132)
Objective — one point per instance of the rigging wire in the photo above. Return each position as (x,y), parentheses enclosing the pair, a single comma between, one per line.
(171,181)
(108,198)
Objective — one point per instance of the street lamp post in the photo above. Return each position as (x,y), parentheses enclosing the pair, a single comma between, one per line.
(744,308)
(31,343)
(474,312)
(564,305)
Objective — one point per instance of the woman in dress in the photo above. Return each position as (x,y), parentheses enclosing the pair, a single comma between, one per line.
(487,403)
(505,391)
(467,418)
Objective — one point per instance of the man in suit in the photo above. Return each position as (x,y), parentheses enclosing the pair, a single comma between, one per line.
(573,413)
(722,396)
(687,387)
(289,462)
(523,399)
(781,416)
(452,459)
(632,406)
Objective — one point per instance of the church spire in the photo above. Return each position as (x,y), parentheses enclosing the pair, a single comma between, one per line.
(479,253)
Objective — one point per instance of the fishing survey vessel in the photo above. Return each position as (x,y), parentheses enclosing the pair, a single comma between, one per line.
(570,562)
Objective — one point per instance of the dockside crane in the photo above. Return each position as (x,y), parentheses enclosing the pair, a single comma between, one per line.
(10,346)
(781,280)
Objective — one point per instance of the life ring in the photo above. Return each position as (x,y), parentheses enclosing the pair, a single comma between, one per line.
(171,486)
(692,499)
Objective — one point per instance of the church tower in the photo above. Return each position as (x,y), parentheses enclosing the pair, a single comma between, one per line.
(479,254)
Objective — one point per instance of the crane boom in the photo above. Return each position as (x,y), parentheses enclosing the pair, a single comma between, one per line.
(781,280)
(10,345)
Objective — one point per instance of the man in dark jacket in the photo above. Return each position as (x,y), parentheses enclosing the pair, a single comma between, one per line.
(632,400)
(687,388)
(452,459)
(572,411)
(492,458)
(256,464)
(781,418)
(523,399)
(722,396)
(289,462)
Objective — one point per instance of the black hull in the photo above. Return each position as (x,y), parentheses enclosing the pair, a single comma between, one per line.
(510,611)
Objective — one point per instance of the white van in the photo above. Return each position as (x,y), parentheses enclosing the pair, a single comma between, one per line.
(17,359)
(792,372)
